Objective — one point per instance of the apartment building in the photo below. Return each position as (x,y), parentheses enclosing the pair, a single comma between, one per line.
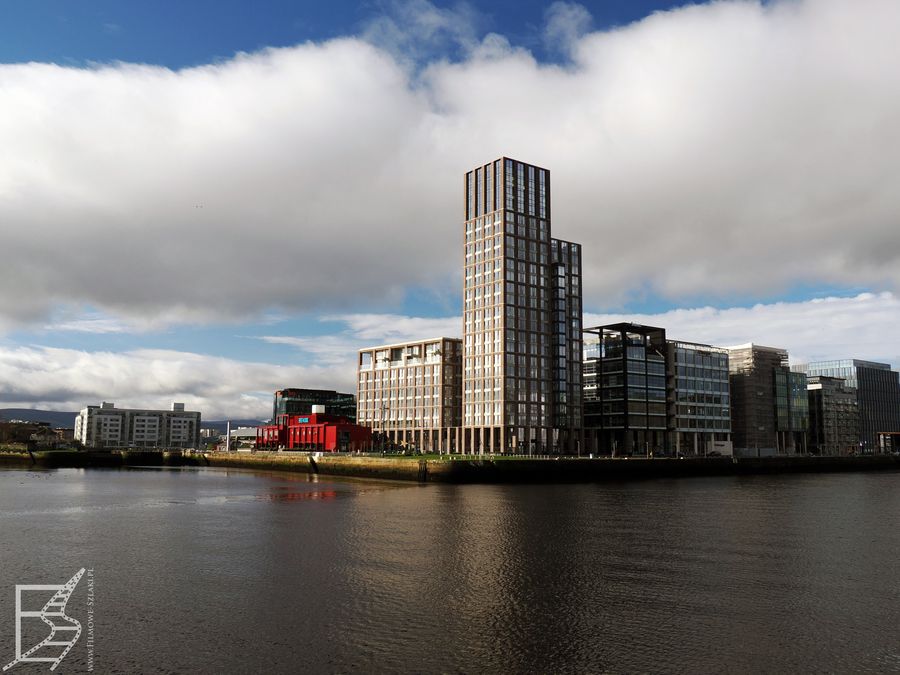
(521,316)
(409,394)
(106,426)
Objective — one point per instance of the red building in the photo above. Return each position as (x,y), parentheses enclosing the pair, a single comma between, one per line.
(316,432)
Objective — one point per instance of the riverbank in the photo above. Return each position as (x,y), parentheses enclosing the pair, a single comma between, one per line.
(461,469)
(553,470)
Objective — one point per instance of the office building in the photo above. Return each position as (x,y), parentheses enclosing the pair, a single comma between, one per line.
(647,395)
(833,416)
(521,317)
(106,426)
(625,390)
(700,395)
(877,394)
(769,403)
(300,402)
(408,394)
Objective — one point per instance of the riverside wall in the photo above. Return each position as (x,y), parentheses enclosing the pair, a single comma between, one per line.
(459,470)
(563,469)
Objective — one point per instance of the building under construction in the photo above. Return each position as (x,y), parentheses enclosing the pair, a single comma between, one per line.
(769,403)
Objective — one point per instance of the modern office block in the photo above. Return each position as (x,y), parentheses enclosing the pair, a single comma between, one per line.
(300,402)
(769,405)
(106,426)
(521,323)
(833,416)
(877,394)
(625,390)
(700,397)
(647,395)
(409,394)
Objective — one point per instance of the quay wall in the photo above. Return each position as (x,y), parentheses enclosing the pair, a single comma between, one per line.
(459,470)
(564,469)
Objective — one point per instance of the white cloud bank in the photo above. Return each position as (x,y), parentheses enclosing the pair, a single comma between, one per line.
(63,379)
(861,327)
(68,379)
(732,147)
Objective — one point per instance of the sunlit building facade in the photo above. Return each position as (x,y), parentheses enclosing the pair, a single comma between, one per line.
(521,316)
(409,394)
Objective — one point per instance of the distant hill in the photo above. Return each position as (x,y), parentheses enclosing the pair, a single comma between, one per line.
(66,420)
(52,417)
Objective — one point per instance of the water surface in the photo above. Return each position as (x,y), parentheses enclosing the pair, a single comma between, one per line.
(218,571)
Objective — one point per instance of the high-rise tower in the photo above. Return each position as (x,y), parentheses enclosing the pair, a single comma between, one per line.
(522,349)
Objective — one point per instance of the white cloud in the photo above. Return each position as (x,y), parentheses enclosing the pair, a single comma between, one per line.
(39,377)
(67,379)
(731,148)
(566,22)
(861,327)
(367,330)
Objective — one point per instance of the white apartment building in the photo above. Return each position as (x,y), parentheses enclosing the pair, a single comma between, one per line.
(106,426)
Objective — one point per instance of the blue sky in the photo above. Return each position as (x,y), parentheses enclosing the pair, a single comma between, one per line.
(181,215)
(178,34)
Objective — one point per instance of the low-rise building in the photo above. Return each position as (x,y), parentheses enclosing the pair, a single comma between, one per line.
(317,431)
(105,426)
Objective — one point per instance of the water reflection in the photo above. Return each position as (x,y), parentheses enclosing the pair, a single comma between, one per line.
(280,572)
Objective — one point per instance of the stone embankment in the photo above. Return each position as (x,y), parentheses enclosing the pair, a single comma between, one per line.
(523,470)
(458,469)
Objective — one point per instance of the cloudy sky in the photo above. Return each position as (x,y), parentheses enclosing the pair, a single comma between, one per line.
(207,201)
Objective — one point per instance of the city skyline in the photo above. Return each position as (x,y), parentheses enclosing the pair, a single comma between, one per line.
(747,241)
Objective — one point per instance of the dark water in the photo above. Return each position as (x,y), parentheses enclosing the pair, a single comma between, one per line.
(220,571)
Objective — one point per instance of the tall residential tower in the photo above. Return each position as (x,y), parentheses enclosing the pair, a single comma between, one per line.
(522,349)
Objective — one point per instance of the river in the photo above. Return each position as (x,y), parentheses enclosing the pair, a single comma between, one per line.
(224,571)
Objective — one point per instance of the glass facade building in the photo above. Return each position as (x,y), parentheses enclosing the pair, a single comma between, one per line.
(701,398)
(647,395)
(877,394)
(521,316)
(625,390)
(833,416)
(300,402)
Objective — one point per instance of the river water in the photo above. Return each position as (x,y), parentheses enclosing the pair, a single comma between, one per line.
(223,571)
